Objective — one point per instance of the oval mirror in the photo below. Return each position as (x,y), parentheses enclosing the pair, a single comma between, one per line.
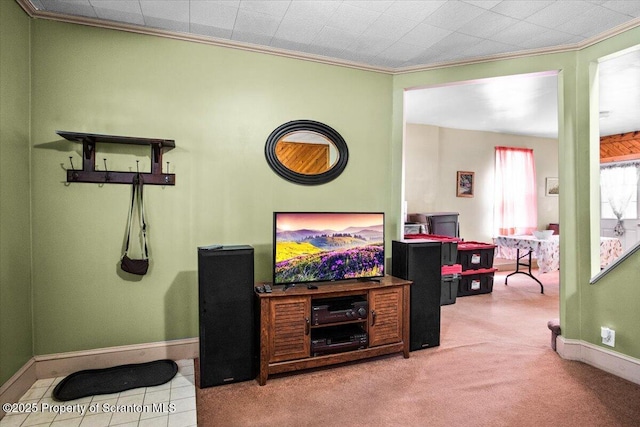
(306,152)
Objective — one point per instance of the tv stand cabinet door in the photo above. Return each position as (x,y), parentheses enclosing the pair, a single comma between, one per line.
(386,316)
(289,328)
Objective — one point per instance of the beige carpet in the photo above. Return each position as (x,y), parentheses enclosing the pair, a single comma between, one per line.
(494,367)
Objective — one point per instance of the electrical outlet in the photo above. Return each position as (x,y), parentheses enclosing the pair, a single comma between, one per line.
(608,336)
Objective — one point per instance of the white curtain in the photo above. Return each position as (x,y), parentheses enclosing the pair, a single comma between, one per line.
(515,199)
(618,184)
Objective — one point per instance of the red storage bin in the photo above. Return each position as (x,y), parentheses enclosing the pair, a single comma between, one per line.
(473,282)
(432,237)
(451,269)
(475,255)
(449,251)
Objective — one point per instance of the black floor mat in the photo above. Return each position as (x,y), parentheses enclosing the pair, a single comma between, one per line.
(114,380)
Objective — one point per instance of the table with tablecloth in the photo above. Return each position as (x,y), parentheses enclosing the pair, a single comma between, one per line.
(547,251)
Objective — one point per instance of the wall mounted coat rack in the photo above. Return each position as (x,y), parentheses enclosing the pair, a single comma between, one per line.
(88,173)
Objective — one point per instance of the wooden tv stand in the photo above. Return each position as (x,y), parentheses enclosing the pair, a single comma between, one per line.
(286,327)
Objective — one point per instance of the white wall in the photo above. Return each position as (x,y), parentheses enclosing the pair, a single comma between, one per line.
(433,155)
(422,163)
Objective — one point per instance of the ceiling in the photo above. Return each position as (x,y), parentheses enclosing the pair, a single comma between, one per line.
(403,36)
(528,104)
(518,105)
(620,94)
(379,34)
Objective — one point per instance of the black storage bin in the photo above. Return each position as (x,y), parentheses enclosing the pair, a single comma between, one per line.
(475,255)
(473,282)
(449,290)
(443,223)
(411,228)
(449,250)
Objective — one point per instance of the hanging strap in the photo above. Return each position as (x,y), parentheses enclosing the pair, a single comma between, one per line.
(136,196)
(143,223)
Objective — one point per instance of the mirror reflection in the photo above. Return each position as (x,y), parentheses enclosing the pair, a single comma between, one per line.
(308,153)
(619,108)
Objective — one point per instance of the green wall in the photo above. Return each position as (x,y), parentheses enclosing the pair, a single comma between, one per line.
(219,105)
(584,307)
(612,301)
(16,338)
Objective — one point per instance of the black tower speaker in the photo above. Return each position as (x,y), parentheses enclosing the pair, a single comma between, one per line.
(228,347)
(420,262)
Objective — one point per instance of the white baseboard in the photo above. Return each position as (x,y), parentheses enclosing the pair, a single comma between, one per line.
(63,364)
(609,361)
(18,384)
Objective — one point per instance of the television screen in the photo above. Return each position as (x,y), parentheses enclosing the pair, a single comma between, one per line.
(321,246)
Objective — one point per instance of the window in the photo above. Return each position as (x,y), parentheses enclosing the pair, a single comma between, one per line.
(619,191)
(515,199)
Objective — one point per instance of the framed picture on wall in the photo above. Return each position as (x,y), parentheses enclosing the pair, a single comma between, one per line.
(465,183)
(552,187)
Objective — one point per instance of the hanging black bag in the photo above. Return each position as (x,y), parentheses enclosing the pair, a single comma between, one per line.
(136,266)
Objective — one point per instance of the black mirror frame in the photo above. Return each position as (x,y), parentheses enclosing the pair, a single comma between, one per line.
(312,126)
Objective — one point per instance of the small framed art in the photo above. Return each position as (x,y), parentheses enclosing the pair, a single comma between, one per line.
(551,187)
(465,184)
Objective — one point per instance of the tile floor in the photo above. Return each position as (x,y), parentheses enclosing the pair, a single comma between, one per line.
(170,405)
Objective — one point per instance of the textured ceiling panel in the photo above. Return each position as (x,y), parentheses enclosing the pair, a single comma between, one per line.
(213,15)
(559,13)
(631,8)
(166,14)
(424,35)
(520,9)
(272,7)
(301,30)
(453,15)
(334,37)
(413,10)
(520,33)
(353,19)
(593,22)
(260,25)
(113,10)
(79,7)
(487,25)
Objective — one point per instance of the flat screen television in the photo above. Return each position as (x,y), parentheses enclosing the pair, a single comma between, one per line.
(327,246)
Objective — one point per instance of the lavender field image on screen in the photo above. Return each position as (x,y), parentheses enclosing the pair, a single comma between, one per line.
(312,247)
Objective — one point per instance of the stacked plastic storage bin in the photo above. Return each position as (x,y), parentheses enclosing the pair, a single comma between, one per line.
(476,260)
(450,282)
(450,273)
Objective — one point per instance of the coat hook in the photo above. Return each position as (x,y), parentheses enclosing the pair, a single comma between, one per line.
(168,170)
(106,171)
(71,161)
(137,169)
